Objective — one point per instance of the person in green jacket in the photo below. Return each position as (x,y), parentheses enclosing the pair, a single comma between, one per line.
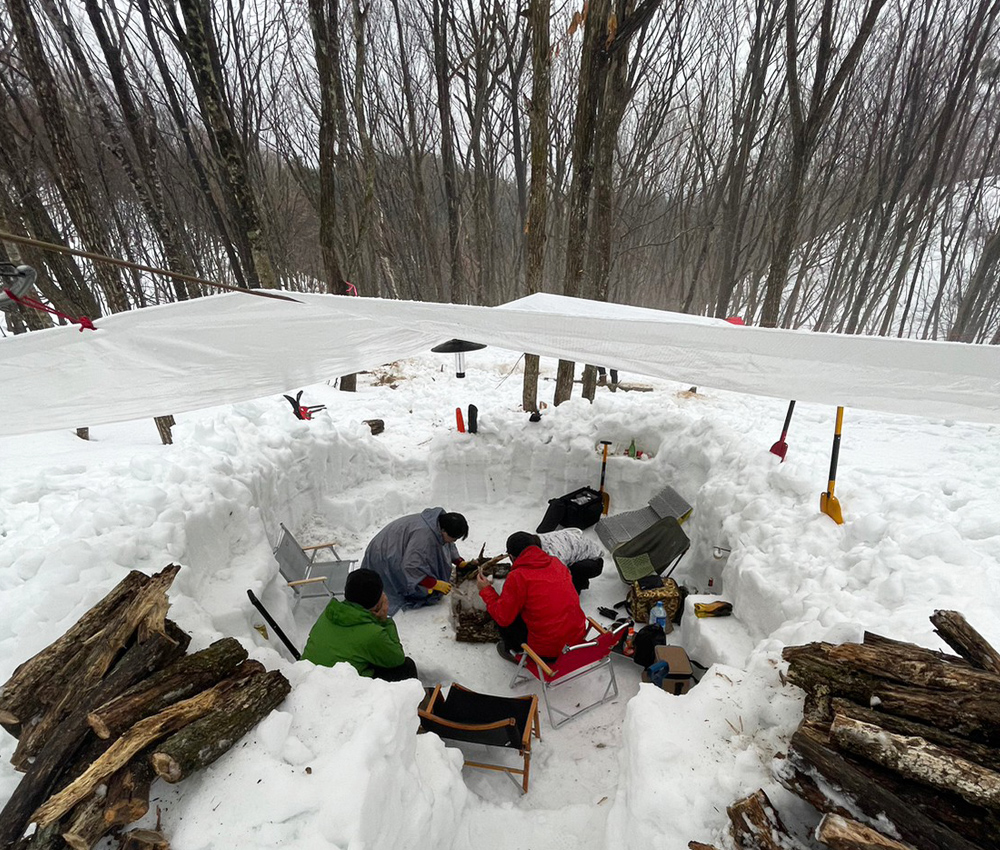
(360,631)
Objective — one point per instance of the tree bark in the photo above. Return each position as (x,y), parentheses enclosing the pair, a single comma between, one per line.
(755,824)
(966,713)
(85,825)
(927,819)
(144,839)
(564,382)
(72,185)
(988,757)
(19,694)
(914,758)
(163,426)
(198,44)
(529,390)
(59,752)
(143,614)
(955,630)
(180,680)
(873,639)
(127,799)
(202,742)
(589,382)
(141,735)
(845,834)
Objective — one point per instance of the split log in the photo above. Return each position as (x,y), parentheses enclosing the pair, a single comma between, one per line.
(202,742)
(927,819)
(19,694)
(60,750)
(127,799)
(755,824)
(955,630)
(144,839)
(377,426)
(975,715)
(141,735)
(911,666)
(915,758)
(697,845)
(873,639)
(86,825)
(182,679)
(143,612)
(846,834)
(979,753)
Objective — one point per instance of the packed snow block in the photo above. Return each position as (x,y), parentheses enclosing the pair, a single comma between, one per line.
(715,640)
(620,528)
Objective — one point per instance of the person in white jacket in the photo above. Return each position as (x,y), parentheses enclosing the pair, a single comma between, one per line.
(582,555)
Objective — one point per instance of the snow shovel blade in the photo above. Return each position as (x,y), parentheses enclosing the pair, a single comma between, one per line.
(780,448)
(830,505)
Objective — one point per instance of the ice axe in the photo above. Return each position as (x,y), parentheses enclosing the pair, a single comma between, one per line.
(780,448)
(828,503)
(605,497)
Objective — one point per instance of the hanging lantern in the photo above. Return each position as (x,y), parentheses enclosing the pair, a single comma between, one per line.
(458,347)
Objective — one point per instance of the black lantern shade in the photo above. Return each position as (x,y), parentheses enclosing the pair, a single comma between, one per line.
(458,347)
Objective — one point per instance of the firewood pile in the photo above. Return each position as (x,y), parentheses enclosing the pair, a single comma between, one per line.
(113,704)
(472,621)
(899,746)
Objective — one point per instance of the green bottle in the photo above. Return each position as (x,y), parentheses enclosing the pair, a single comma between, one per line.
(631,448)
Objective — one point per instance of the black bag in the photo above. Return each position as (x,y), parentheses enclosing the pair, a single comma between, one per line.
(645,642)
(579,509)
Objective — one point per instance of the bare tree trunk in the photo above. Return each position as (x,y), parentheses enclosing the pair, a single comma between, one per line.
(442,76)
(71,183)
(537,223)
(202,53)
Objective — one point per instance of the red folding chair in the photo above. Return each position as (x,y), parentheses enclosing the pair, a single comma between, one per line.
(573,663)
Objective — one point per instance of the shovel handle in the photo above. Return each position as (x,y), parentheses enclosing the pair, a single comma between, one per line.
(604,462)
(788,419)
(835,453)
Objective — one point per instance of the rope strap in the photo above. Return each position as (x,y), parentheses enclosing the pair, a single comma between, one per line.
(34,304)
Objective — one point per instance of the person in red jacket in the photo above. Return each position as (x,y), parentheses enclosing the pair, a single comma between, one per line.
(538,606)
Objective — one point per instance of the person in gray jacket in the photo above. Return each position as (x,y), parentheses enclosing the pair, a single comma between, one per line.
(414,556)
(583,556)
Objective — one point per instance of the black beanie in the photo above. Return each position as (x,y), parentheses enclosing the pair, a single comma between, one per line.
(364,588)
(519,541)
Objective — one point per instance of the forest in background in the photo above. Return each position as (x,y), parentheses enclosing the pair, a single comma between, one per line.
(826,164)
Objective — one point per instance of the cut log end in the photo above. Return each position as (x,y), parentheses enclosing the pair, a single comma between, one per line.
(167,767)
(144,839)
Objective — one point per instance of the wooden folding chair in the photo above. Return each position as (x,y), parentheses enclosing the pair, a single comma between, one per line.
(494,721)
(306,576)
(573,663)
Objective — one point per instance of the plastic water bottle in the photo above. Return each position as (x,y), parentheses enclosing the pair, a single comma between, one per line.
(660,615)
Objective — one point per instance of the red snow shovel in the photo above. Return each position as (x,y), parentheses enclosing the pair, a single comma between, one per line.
(828,503)
(605,497)
(780,448)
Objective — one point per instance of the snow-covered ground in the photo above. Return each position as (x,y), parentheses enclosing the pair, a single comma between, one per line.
(922,532)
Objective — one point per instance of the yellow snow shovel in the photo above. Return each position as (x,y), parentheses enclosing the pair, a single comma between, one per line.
(828,503)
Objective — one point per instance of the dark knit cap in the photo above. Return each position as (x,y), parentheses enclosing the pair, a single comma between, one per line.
(364,588)
(519,541)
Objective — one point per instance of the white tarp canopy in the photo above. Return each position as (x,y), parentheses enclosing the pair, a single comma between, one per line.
(228,348)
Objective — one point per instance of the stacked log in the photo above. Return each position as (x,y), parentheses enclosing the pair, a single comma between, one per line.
(899,746)
(112,704)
